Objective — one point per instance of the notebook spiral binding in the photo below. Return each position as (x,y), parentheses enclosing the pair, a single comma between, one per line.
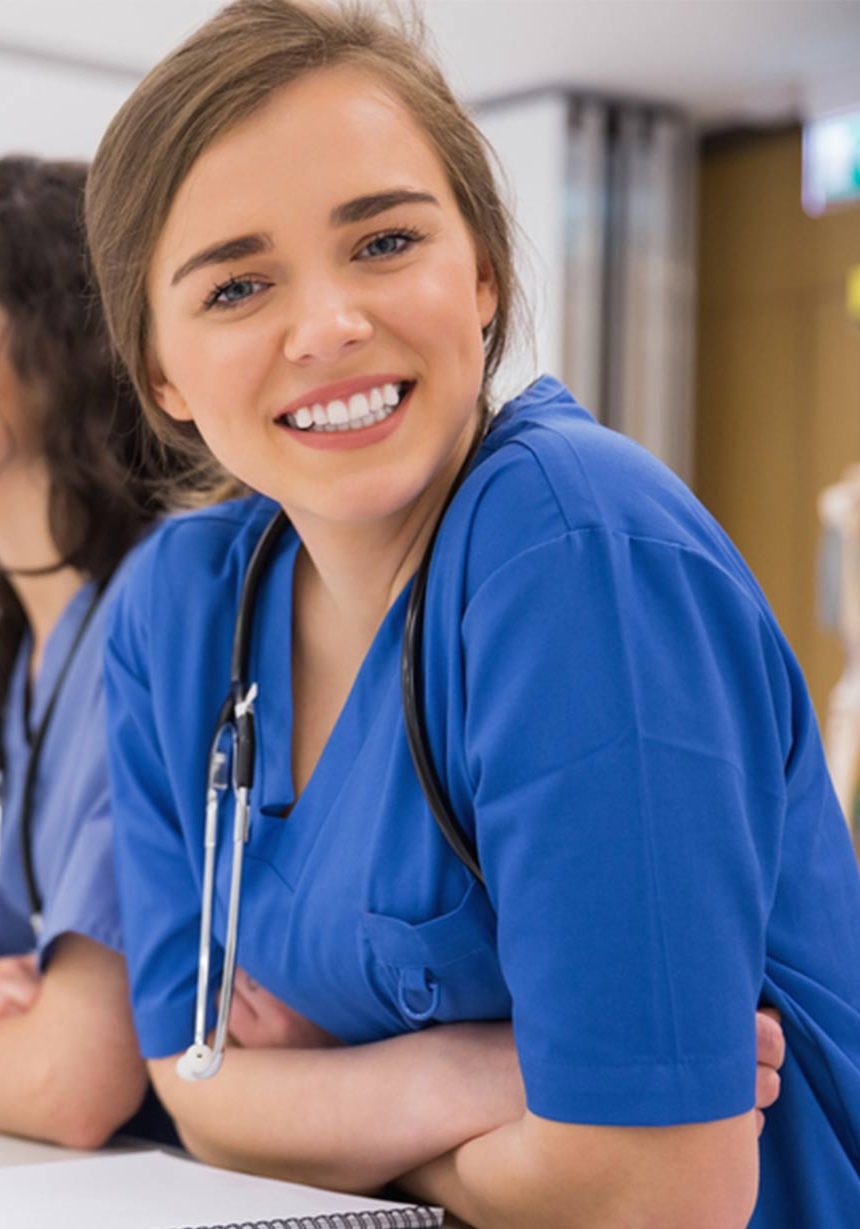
(401,1218)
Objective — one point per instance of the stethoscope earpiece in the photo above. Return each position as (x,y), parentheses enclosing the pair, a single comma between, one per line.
(199,1062)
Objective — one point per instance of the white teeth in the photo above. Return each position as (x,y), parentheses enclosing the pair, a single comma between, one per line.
(360,411)
(338,413)
(358,407)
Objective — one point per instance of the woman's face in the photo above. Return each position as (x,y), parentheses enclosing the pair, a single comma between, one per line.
(315,266)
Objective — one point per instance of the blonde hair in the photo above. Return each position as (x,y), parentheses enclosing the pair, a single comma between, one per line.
(218,77)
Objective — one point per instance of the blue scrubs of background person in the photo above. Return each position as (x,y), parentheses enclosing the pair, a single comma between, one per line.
(620,723)
(76,492)
(72,840)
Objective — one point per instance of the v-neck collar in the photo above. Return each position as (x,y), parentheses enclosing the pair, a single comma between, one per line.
(271,664)
(34,697)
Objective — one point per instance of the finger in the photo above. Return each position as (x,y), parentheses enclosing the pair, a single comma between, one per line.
(246,988)
(9,1010)
(767,1086)
(20,991)
(242,1021)
(16,998)
(19,968)
(770,1039)
(759,1122)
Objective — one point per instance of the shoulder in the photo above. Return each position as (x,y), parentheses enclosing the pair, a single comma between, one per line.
(199,543)
(169,578)
(548,470)
(190,551)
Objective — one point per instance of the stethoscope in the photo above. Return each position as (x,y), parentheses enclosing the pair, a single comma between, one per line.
(233,752)
(37,742)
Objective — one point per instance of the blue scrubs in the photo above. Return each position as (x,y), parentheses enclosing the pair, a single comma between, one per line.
(72,842)
(72,817)
(616,717)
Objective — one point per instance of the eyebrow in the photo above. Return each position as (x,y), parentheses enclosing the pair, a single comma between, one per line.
(357,210)
(364,207)
(218,253)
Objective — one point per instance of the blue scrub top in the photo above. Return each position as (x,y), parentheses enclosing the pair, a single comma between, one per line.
(72,842)
(619,721)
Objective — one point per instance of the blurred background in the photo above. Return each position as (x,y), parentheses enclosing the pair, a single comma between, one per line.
(686,176)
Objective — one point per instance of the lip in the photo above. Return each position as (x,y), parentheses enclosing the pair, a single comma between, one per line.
(340,391)
(347,441)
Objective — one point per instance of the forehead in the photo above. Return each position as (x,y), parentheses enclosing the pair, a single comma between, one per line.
(334,134)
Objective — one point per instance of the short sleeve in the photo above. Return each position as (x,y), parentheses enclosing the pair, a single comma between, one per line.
(158,884)
(626,751)
(82,897)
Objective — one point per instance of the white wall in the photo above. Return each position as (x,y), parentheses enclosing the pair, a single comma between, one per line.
(55,110)
(530,138)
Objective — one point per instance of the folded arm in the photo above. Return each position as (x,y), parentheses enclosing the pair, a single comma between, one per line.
(354,1117)
(70,1071)
(286,1105)
(536,1174)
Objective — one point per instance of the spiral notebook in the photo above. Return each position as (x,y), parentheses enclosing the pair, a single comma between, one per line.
(151,1190)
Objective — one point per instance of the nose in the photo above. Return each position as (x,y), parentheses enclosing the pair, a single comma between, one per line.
(325,321)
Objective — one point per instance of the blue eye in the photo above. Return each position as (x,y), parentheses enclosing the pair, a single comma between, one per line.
(234,291)
(391,243)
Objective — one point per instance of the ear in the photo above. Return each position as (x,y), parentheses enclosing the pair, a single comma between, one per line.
(487,291)
(166,395)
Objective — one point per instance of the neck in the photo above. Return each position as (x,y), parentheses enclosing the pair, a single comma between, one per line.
(26,543)
(355,572)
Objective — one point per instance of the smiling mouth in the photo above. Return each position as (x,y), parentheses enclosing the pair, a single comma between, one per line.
(355,413)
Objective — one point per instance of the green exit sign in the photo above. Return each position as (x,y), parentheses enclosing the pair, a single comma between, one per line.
(831,162)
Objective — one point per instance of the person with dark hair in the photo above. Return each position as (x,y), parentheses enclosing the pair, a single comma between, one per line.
(79,485)
(306,268)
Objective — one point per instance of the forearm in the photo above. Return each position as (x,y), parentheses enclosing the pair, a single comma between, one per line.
(351,1118)
(69,1068)
(651,1178)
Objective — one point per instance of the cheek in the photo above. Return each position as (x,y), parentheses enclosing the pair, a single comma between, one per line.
(216,374)
(440,310)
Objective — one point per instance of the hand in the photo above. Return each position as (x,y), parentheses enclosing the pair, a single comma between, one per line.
(770,1055)
(259,1020)
(19,984)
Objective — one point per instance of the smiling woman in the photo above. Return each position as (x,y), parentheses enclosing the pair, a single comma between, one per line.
(306,267)
(239,77)
(325,293)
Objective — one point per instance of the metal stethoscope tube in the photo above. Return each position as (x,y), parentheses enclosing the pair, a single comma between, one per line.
(201,1061)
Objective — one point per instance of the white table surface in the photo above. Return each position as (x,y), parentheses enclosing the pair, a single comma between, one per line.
(16,1151)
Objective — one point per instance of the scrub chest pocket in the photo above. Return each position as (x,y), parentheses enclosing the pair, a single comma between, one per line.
(443,969)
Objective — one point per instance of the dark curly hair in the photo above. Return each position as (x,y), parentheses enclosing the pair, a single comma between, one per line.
(103,464)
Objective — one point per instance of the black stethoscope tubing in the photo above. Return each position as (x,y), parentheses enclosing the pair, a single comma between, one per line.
(411,661)
(34,896)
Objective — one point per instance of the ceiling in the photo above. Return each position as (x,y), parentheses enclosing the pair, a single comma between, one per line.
(724,61)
